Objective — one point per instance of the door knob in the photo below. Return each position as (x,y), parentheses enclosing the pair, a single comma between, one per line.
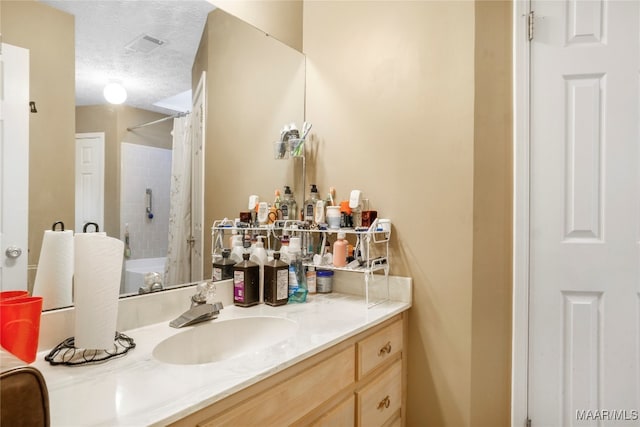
(13,252)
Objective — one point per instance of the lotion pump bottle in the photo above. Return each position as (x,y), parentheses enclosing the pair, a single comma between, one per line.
(340,251)
(288,205)
(310,205)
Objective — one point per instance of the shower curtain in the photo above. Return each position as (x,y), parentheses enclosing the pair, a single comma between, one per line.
(178,267)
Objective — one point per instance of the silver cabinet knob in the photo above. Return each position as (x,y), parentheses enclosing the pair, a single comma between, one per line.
(13,252)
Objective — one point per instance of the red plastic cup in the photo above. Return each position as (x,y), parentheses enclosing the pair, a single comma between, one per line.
(20,326)
(7,295)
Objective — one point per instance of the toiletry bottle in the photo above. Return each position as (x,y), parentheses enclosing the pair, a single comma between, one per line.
(310,205)
(285,204)
(311,279)
(223,267)
(246,282)
(237,248)
(263,213)
(284,248)
(297,279)
(276,281)
(294,214)
(340,251)
(319,213)
(276,205)
(259,256)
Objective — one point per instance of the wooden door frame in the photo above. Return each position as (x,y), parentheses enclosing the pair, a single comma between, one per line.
(521,194)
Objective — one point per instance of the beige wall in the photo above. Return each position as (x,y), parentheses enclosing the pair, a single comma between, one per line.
(37,27)
(280,19)
(492,285)
(410,103)
(114,120)
(255,85)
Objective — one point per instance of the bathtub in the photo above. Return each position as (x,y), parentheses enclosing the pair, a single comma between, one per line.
(135,269)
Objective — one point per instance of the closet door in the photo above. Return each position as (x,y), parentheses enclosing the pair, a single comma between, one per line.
(584,255)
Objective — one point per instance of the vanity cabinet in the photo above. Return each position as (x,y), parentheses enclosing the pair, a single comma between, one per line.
(359,382)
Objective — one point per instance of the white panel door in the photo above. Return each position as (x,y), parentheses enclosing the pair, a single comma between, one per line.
(14,161)
(197,181)
(89,180)
(584,351)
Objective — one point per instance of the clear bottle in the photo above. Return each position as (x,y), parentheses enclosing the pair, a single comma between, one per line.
(276,281)
(223,267)
(310,205)
(246,279)
(288,205)
(340,251)
(297,279)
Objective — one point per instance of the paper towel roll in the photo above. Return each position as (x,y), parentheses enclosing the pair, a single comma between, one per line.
(55,269)
(98,267)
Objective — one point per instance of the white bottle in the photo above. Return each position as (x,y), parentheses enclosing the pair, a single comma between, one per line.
(237,248)
(259,256)
(319,212)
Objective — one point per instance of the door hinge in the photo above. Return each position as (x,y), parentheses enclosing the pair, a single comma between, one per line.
(530,18)
(528,423)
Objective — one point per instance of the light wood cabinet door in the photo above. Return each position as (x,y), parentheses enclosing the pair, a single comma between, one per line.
(381,399)
(288,401)
(378,348)
(342,415)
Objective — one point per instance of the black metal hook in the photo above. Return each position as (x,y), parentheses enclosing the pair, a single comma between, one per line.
(84,229)
(53,227)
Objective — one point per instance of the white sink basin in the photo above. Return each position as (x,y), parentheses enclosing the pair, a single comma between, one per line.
(223,339)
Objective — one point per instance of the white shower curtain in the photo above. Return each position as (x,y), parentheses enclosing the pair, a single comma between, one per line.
(178,265)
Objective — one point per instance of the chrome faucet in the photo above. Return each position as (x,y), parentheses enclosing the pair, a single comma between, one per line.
(200,311)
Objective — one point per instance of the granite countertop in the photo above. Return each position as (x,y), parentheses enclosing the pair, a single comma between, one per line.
(137,389)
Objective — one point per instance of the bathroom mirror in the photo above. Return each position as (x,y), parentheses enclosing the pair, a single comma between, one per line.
(269,133)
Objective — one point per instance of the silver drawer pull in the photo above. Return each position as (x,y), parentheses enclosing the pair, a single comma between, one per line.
(384,403)
(385,349)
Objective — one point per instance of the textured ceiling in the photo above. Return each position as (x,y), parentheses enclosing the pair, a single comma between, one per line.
(105,27)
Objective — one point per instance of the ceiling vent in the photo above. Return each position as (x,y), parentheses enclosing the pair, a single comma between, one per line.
(145,44)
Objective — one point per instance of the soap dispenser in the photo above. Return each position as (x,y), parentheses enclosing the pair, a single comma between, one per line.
(310,205)
(288,205)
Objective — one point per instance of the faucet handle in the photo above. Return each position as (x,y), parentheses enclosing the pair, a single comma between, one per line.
(198,299)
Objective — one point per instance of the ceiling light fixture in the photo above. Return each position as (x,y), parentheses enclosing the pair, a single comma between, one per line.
(114,93)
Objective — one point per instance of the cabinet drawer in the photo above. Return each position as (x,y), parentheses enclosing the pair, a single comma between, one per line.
(342,415)
(381,399)
(381,346)
(292,399)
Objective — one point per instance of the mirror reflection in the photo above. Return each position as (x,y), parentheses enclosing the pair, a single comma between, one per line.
(137,205)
